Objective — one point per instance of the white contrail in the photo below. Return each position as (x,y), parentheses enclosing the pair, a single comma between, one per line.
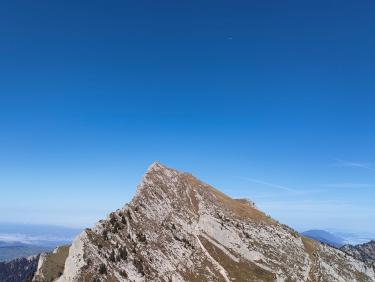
(355,164)
(280,187)
(349,185)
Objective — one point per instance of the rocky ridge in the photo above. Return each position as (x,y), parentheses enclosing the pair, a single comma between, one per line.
(178,228)
(364,252)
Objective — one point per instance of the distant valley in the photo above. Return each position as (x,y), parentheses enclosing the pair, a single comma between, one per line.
(24,240)
(13,251)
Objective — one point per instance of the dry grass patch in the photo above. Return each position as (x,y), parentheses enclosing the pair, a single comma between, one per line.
(240,208)
(238,271)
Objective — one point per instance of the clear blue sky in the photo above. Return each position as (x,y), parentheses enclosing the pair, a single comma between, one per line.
(271,100)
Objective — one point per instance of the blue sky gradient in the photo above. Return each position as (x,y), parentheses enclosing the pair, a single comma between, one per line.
(271,100)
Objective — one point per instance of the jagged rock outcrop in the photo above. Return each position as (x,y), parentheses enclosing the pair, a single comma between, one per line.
(51,265)
(18,270)
(177,228)
(364,252)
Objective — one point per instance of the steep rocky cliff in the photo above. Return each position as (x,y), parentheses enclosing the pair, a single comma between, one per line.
(177,228)
(51,265)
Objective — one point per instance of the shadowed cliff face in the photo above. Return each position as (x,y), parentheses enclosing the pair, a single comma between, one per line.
(177,228)
(18,270)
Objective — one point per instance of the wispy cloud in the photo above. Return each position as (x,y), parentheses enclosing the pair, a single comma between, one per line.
(349,185)
(30,239)
(273,185)
(306,205)
(346,163)
(309,208)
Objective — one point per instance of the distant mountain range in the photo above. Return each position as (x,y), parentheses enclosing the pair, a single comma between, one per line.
(354,238)
(325,237)
(364,252)
(339,239)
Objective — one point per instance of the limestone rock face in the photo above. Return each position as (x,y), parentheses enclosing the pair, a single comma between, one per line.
(51,265)
(364,252)
(178,228)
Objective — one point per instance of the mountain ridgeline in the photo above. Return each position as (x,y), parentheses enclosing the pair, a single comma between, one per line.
(178,228)
(364,252)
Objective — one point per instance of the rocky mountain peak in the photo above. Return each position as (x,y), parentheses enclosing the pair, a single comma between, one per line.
(157,171)
(157,166)
(178,228)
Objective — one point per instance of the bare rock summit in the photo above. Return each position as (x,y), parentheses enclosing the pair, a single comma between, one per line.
(178,228)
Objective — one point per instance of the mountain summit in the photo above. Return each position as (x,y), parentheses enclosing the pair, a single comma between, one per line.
(178,228)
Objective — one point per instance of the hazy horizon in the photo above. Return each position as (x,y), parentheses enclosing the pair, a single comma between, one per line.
(269,102)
